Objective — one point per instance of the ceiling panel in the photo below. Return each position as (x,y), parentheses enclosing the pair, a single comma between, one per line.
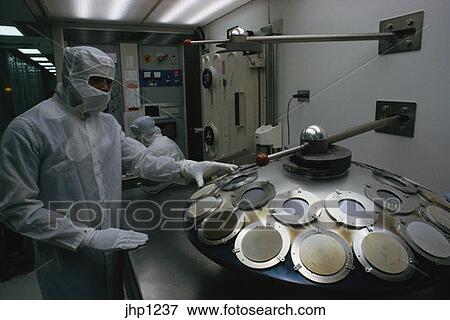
(76,37)
(192,12)
(128,11)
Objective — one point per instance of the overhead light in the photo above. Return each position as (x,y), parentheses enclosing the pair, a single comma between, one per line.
(53,71)
(30,51)
(49,68)
(210,10)
(10,31)
(46,64)
(92,10)
(120,9)
(177,10)
(39,59)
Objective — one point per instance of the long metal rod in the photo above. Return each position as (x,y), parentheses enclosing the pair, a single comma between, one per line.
(325,37)
(287,152)
(197,42)
(310,38)
(366,127)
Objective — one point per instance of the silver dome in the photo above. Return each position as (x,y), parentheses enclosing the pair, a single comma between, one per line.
(313,133)
(238,32)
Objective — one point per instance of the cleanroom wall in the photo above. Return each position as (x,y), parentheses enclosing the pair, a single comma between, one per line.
(346,79)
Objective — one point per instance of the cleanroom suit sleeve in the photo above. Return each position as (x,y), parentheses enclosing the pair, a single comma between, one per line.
(136,159)
(20,208)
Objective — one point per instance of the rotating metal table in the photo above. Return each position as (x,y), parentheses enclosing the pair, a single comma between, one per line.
(171,268)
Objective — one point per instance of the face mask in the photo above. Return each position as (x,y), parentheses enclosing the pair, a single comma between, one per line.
(87,99)
(146,141)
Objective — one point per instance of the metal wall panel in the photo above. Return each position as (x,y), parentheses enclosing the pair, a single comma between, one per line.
(231,105)
(151,58)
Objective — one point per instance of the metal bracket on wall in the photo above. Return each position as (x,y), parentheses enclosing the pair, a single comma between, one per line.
(410,28)
(407,110)
(399,34)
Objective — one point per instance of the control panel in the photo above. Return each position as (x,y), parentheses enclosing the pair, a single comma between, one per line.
(161,78)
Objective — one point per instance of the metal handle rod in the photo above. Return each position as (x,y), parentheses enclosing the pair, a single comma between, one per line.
(287,152)
(197,42)
(366,127)
(308,38)
(363,128)
(325,37)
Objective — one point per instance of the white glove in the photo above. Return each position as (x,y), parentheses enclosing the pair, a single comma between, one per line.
(204,169)
(113,239)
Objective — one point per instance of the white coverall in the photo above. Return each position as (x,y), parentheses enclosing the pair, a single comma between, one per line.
(145,131)
(65,149)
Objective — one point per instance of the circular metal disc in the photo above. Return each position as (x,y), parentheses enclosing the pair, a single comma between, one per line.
(204,206)
(434,198)
(438,216)
(395,181)
(359,211)
(219,227)
(322,255)
(296,207)
(429,239)
(353,208)
(253,196)
(392,199)
(262,244)
(385,253)
(238,180)
(205,191)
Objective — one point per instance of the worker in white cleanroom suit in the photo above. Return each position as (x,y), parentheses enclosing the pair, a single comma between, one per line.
(145,131)
(66,151)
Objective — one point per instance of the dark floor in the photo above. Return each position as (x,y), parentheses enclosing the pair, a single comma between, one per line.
(23,287)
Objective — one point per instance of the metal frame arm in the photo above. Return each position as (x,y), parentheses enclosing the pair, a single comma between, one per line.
(376,36)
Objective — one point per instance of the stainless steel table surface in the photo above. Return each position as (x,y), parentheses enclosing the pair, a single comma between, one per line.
(170,267)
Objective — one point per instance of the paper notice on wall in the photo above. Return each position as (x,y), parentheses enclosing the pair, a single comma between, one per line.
(129,62)
(133,99)
(131,75)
